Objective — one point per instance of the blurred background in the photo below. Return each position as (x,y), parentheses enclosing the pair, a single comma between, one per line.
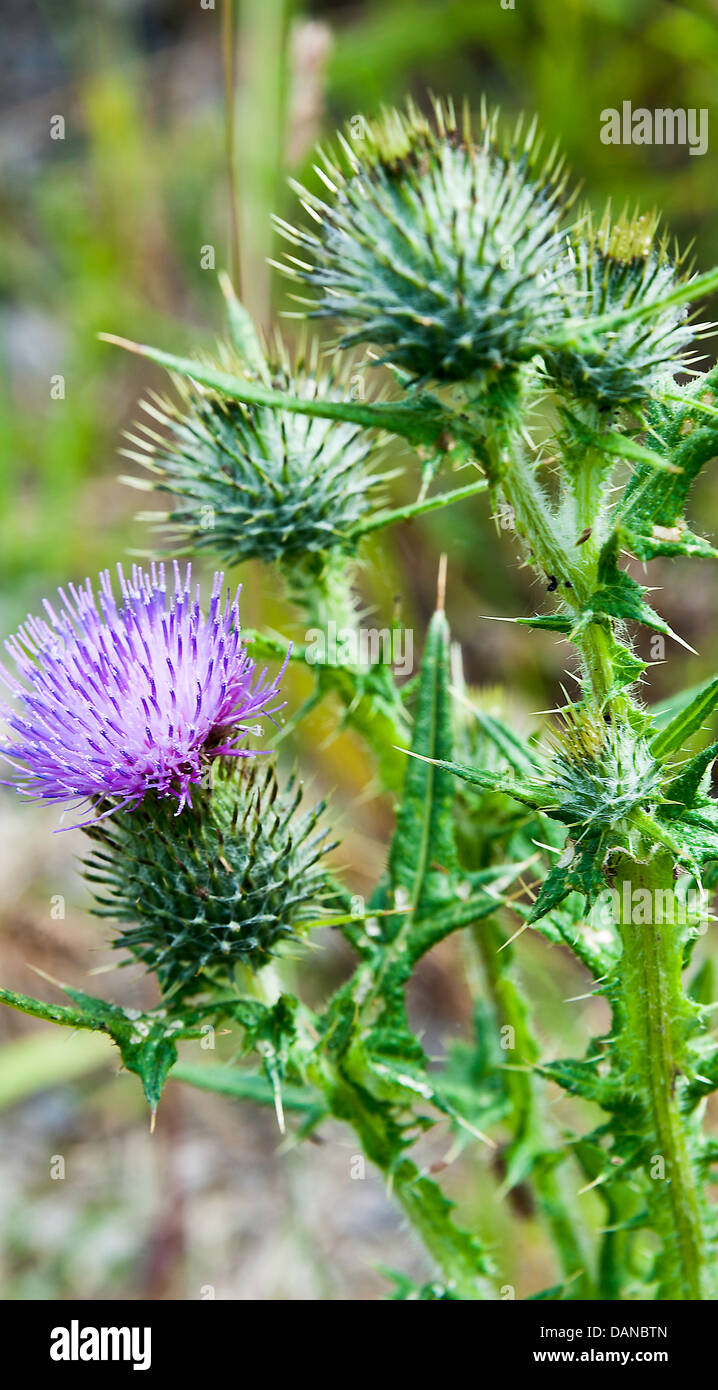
(106,229)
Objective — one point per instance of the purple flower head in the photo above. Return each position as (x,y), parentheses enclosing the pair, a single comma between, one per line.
(122,700)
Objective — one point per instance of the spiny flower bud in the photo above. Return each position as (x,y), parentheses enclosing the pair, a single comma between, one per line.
(600,773)
(221,886)
(252,482)
(121,700)
(435,245)
(615,267)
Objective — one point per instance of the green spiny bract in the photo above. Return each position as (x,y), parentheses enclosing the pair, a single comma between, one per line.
(221,885)
(252,482)
(601,773)
(439,248)
(613,268)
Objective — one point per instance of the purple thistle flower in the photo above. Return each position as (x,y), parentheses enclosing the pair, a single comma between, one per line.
(130,699)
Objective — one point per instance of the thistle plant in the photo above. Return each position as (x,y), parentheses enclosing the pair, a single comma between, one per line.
(454,252)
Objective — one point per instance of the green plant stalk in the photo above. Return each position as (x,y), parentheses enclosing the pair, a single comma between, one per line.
(427,504)
(652,1049)
(322,587)
(455,1253)
(589,476)
(649,988)
(323,590)
(511,472)
(531,1143)
(458,1257)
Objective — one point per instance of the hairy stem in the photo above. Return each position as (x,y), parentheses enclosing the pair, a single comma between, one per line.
(532,1142)
(534,520)
(322,587)
(651,1049)
(552,538)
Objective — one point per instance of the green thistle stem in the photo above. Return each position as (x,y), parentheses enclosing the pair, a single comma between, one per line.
(652,1047)
(515,474)
(322,586)
(412,509)
(532,1142)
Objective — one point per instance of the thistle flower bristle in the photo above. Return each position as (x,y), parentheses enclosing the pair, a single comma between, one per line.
(251,482)
(224,885)
(116,701)
(437,245)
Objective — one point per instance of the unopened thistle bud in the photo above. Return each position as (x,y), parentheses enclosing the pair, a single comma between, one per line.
(437,245)
(250,482)
(616,267)
(221,886)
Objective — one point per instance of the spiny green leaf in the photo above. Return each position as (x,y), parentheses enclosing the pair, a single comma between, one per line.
(473,1079)
(582,873)
(421,419)
(651,520)
(686,721)
(423,852)
(267,1026)
(549,622)
(432,927)
(50,1013)
(242,331)
(663,711)
(460,1256)
(616,445)
(684,788)
(146,1042)
(518,789)
(582,1078)
(566,926)
(516,751)
(620,596)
